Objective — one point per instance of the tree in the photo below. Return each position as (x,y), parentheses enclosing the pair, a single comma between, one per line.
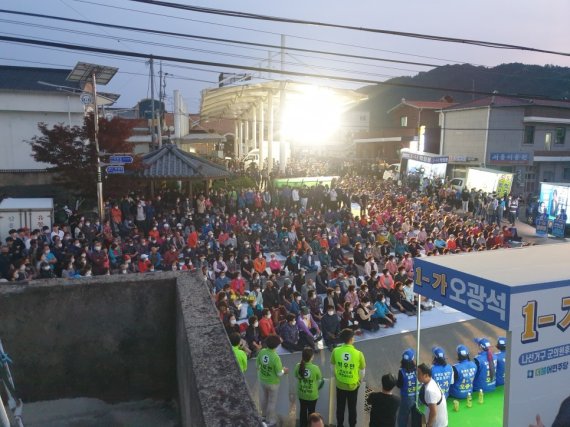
(71,152)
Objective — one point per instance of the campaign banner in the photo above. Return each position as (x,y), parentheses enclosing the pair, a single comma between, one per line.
(478,297)
(539,355)
(542,226)
(558,228)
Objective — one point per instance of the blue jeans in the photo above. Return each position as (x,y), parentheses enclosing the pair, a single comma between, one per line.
(404,412)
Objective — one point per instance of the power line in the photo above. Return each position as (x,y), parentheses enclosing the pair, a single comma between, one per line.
(151,43)
(81,48)
(259,17)
(217,39)
(336,43)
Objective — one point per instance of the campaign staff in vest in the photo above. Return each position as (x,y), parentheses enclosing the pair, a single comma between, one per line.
(349,368)
(309,382)
(240,355)
(407,383)
(269,370)
(441,371)
(463,374)
(434,399)
(501,360)
(486,361)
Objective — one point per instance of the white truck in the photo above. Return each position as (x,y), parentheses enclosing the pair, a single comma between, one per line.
(487,180)
(29,213)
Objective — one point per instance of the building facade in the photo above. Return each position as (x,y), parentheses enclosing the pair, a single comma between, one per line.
(29,96)
(411,124)
(525,136)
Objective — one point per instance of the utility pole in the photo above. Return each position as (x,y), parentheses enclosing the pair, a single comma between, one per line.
(160,94)
(152,133)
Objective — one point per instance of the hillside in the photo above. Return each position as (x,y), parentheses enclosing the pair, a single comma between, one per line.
(520,79)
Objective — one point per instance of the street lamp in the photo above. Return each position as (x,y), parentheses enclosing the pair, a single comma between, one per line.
(85,73)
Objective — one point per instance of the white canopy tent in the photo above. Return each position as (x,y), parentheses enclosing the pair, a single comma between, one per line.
(525,291)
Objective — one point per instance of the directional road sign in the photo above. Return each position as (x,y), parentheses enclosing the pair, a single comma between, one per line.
(121,159)
(115,169)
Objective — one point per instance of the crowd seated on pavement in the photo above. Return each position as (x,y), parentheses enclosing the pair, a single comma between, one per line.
(297,262)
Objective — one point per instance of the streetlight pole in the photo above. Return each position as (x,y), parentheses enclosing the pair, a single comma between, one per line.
(100,208)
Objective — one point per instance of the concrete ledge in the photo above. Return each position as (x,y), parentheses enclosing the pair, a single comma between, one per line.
(110,337)
(211,388)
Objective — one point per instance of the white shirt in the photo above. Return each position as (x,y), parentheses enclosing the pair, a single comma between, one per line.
(432,395)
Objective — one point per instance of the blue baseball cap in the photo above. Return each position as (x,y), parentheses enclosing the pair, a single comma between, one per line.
(462,350)
(483,343)
(502,342)
(409,354)
(438,352)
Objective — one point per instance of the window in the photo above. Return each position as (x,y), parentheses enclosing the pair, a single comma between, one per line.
(528,135)
(548,176)
(404,121)
(566,174)
(362,118)
(560,135)
(548,141)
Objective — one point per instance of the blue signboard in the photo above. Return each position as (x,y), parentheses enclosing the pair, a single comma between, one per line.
(558,228)
(511,158)
(542,226)
(121,159)
(115,169)
(478,297)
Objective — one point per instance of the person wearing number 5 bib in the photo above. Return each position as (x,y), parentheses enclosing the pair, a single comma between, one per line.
(269,370)
(309,382)
(349,368)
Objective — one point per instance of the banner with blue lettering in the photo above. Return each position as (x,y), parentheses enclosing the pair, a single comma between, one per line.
(481,298)
(542,226)
(539,355)
(558,228)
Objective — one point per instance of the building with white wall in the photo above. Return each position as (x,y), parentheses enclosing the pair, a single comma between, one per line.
(526,136)
(29,96)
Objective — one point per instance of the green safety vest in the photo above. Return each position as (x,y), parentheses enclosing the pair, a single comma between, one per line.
(241,357)
(309,382)
(269,366)
(347,362)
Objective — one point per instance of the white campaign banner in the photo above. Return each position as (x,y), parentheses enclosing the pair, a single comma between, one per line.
(539,355)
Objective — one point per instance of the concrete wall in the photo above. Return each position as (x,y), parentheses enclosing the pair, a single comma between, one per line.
(121,338)
(212,390)
(465,133)
(110,337)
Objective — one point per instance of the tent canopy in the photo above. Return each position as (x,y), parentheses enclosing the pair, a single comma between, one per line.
(234,102)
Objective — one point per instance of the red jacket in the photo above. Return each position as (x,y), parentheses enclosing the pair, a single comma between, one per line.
(266,327)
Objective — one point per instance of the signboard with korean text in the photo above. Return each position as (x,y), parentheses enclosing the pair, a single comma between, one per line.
(424,157)
(542,226)
(558,228)
(539,374)
(478,297)
(509,158)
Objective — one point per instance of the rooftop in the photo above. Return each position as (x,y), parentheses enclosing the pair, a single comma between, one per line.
(507,101)
(29,78)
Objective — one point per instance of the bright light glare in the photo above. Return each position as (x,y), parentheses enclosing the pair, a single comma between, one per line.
(312,116)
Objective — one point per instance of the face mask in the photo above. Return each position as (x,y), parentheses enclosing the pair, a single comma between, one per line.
(78,245)
(88,274)
(46,268)
(124,271)
(298,298)
(337,292)
(256,324)
(232,322)
(293,323)
(330,312)
(97,248)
